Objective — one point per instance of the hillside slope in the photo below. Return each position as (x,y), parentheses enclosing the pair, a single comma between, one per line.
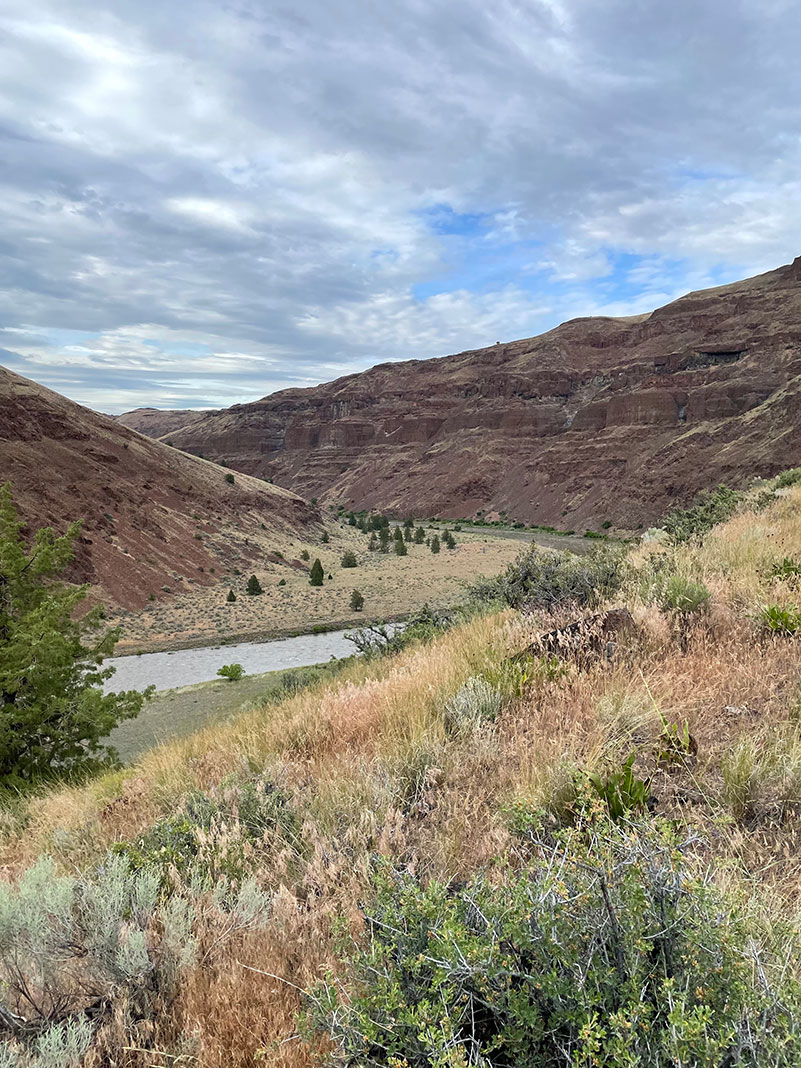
(153,516)
(597,419)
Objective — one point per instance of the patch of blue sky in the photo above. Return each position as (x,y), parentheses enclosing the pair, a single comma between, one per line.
(443,219)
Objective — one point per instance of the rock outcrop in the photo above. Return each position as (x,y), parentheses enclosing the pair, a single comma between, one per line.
(153,517)
(599,419)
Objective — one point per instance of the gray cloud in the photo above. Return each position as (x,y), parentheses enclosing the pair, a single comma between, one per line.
(200,205)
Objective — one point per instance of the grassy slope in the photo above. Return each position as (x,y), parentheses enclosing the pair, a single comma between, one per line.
(366,760)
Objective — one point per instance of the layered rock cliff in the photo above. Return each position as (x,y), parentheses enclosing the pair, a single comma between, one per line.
(600,418)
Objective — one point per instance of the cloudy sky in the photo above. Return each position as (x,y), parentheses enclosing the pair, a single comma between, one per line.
(203,203)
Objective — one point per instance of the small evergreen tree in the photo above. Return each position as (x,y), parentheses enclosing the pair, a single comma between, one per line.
(449,540)
(408,533)
(229,478)
(435,544)
(325,539)
(419,536)
(305,554)
(53,712)
(373,544)
(397,534)
(356,601)
(231,597)
(316,574)
(254,586)
(383,538)
(348,560)
(400,548)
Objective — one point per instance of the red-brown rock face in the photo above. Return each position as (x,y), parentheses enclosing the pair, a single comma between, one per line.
(597,419)
(152,516)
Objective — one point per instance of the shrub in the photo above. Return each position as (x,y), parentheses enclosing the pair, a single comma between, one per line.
(282,582)
(349,560)
(544,579)
(356,601)
(232,672)
(324,538)
(419,536)
(304,554)
(53,712)
(254,587)
(231,597)
(788,568)
(606,949)
(780,620)
(621,790)
(476,702)
(787,478)
(373,543)
(683,596)
(435,544)
(400,547)
(709,508)
(316,573)
(229,478)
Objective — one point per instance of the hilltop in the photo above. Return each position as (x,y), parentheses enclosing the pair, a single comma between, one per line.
(599,419)
(153,516)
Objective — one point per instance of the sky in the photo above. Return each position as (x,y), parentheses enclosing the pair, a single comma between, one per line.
(201,204)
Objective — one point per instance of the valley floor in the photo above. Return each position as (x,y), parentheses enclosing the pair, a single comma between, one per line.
(392,587)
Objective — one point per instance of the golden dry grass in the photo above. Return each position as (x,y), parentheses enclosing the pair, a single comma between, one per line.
(368,762)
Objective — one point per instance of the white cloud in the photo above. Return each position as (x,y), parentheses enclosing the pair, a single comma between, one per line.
(248,185)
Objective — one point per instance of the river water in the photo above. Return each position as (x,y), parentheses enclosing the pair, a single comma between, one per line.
(186,666)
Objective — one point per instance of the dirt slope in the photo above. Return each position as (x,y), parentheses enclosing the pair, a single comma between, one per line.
(153,516)
(598,419)
(155,423)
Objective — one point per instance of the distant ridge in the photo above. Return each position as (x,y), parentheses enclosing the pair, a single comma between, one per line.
(599,420)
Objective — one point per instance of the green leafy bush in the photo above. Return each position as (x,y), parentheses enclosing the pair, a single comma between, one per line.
(544,579)
(606,950)
(709,508)
(788,478)
(621,790)
(229,478)
(232,672)
(780,620)
(788,568)
(304,554)
(682,596)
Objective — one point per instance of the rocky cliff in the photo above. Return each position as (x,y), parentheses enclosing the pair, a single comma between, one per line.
(152,516)
(598,419)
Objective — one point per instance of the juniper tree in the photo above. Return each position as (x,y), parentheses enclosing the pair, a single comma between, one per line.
(435,544)
(254,586)
(231,597)
(419,536)
(356,601)
(53,712)
(316,574)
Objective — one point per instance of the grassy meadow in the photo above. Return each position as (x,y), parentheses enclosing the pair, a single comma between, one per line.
(378,765)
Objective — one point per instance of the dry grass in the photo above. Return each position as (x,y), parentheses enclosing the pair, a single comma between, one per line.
(367,760)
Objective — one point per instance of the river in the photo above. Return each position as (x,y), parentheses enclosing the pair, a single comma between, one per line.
(183,667)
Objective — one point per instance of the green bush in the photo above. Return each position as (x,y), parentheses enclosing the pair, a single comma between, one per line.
(231,597)
(545,579)
(435,546)
(780,620)
(709,508)
(229,478)
(606,950)
(253,587)
(356,601)
(683,596)
(787,478)
(788,568)
(349,560)
(304,554)
(324,538)
(232,672)
(316,574)
(621,790)
(419,536)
